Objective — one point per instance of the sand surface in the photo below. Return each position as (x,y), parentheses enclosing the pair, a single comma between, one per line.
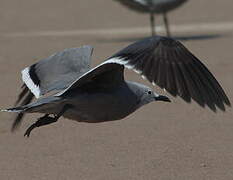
(160,141)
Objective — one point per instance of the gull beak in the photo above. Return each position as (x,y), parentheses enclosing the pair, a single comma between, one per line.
(162,98)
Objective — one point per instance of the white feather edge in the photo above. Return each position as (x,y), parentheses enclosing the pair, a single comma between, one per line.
(6,110)
(121,61)
(29,83)
(116,60)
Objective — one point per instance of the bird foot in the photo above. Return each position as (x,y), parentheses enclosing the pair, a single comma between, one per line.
(45,120)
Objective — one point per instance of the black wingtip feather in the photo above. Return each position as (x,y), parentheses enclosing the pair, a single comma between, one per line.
(214,84)
(25,97)
(33,75)
(17,122)
(22,94)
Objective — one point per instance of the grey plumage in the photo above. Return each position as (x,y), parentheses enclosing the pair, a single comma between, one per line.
(48,79)
(101,93)
(45,73)
(153,7)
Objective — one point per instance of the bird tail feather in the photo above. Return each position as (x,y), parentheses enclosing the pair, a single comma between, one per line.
(37,106)
(15,109)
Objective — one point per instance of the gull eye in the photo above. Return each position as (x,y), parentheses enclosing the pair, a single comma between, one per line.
(149,92)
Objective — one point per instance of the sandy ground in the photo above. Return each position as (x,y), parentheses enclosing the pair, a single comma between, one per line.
(160,141)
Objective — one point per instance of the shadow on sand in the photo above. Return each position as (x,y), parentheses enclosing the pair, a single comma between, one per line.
(180,38)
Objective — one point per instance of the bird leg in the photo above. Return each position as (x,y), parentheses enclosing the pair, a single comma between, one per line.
(45,120)
(152,23)
(165,19)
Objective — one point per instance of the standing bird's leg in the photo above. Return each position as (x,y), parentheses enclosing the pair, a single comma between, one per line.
(45,120)
(152,23)
(166,24)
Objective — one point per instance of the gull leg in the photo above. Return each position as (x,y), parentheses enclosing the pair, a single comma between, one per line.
(45,120)
(152,23)
(165,19)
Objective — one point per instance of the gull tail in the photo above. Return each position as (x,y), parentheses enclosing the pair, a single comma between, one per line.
(15,109)
(38,106)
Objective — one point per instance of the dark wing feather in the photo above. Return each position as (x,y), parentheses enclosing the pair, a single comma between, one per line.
(170,65)
(25,97)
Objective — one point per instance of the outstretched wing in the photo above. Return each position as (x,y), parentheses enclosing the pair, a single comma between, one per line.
(167,63)
(56,72)
(103,77)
